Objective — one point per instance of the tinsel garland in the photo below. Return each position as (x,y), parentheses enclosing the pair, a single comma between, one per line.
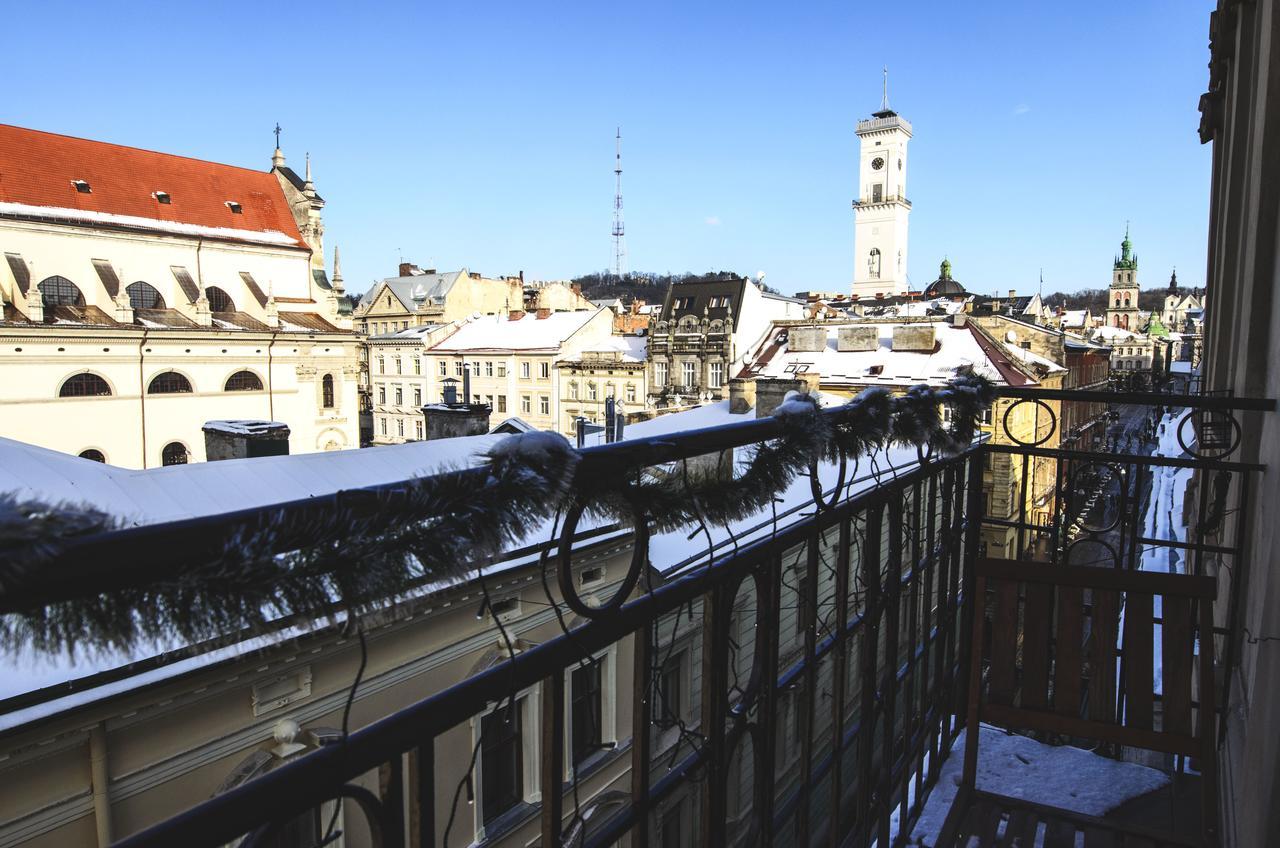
(439,527)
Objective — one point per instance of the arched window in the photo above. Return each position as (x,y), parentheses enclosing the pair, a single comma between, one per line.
(169,383)
(219,301)
(1126,303)
(144,296)
(873,264)
(174,453)
(59,291)
(84,385)
(93,454)
(243,381)
(326,391)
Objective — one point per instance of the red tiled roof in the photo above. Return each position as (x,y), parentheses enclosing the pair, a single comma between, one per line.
(39,169)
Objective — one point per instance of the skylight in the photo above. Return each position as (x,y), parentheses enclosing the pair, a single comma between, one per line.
(82,186)
(163,197)
(235,207)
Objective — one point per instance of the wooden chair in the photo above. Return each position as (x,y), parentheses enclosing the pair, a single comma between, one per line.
(1053,628)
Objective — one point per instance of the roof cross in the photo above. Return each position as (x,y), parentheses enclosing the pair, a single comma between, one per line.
(277,132)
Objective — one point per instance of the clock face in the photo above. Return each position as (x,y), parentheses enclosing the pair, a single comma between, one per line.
(877,163)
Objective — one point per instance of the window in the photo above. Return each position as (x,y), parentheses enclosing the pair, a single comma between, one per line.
(877,192)
(502,403)
(526,403)
(383,425)
(670,701)
(475,369)
(457,368)
(544,405)
(59,291)
(631,392)
(417,395)
(717,375)
(400,427)
(382,365)
(419,425)
(524,370)
(84,385)
(544,370)
(93,454)
(169,383)
(326,391)
(984,417)
(417,365)
(163,197)
(236,208)
(488,368)
(219,300)
(488,401)
(243,381)
(174,453)
(502,369)
(660,374)
(143,296)
(585,711)
(382,394)
(399,396)
(573,389)
(444,368)
(501,761)
(873,264)
(82,186)
(592,391)
(690,371)
(399,365)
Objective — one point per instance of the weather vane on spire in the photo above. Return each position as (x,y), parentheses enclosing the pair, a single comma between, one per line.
(884,99)
(277,132)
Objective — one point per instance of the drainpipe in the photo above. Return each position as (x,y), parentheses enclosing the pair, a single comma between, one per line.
(271,394)
(142,396)
(101,783)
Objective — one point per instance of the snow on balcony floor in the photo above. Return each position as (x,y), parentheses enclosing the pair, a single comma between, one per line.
(1059,776)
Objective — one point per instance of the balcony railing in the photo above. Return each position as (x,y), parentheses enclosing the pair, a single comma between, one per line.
(875,575)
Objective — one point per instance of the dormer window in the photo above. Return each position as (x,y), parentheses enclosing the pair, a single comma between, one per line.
(236,208)
(163,197)
(82,186)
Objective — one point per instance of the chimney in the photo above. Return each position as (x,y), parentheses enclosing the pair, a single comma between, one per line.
(515,314)
(772,391)
(742,394)
(408,269)
(522,277)
(801,339)
(1013,293)
(914,337)
(443,421)
(576,288)
(475,275)
(245,439)
(959,319)
(543,313)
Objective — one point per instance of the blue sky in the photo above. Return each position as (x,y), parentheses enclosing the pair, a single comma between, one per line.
(481,135)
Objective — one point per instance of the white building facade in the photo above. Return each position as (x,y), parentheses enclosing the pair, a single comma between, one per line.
(144,294)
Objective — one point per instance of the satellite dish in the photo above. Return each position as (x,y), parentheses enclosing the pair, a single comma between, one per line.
(1011,336)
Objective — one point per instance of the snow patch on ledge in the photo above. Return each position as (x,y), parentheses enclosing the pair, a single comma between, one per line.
(1060,776)
(175,227)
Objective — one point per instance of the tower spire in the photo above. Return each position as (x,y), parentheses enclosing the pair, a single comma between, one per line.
(884,97)
(619,229)
(277,158)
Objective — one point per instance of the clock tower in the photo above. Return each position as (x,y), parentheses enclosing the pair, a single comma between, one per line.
(880,212)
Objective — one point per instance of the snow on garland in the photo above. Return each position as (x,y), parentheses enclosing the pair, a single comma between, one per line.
(443,525)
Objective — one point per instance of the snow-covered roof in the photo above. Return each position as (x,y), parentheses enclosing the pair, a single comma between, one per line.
(954,347)
(632,348)
(1074,317)
(1033,359)
(529,333)
(1111,335)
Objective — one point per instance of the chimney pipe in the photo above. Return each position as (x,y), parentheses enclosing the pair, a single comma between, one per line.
(466,382)
(543,313)
(1013,293)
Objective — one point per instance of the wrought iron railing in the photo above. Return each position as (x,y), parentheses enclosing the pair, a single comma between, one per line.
(874,583)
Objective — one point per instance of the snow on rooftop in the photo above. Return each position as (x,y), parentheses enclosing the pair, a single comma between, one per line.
(498,332)
(1028,358)
(632,348)
(156,224)
(883,366)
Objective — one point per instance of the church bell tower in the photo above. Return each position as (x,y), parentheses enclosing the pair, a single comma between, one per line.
(881,209)
(1122,297)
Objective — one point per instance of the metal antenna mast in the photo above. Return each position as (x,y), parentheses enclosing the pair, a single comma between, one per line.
(619,230)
